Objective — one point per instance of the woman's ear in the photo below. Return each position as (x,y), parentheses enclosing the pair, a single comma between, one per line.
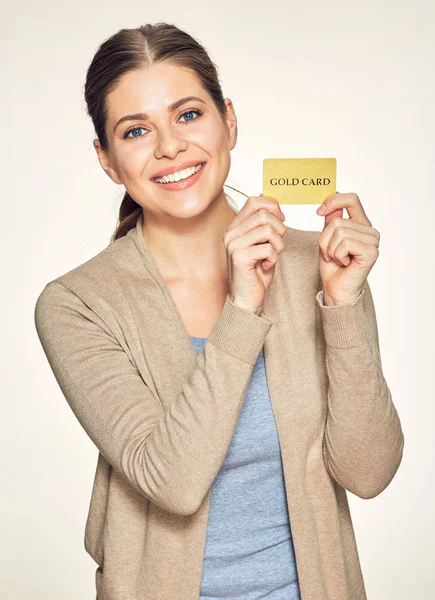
(231,121)
(105,162)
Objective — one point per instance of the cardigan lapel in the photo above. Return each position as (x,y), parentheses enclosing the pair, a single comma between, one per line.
(281,348)
(295,377)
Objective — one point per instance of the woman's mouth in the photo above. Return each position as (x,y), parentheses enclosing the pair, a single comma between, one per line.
(181,184)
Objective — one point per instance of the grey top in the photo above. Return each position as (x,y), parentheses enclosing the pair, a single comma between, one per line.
(249,550)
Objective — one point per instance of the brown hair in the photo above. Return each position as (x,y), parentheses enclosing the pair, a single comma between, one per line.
(132,49)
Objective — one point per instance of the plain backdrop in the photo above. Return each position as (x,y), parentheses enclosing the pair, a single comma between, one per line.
(354,81)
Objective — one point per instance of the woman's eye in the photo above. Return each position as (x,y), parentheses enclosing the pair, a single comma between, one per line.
(188,112)
(127,133)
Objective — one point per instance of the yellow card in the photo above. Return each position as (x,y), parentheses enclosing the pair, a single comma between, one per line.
(299,180)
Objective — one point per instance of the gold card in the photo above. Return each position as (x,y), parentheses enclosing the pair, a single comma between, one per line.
(299,180)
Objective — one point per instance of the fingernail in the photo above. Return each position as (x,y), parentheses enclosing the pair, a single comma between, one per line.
(321,210)
(282,215)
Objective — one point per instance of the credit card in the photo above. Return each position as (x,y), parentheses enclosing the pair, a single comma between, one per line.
(299,180)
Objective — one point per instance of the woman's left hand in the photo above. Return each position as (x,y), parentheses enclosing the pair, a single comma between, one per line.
(352,245)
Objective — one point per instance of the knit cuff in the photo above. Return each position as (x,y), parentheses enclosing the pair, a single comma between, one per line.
(344,325)
(240,332)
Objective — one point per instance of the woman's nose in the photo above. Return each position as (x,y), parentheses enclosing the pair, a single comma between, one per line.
(169,142)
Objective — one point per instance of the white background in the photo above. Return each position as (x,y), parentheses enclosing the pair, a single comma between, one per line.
(354,81)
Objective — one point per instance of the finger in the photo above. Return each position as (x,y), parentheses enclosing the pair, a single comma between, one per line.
(350,202)
(255,204)
(258,219)
(257,252)
(274,207)
(258,236)
(363,254)
(339,228)
(336,213)
(344,237)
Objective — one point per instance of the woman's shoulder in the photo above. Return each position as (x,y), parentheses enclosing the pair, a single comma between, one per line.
(100,275)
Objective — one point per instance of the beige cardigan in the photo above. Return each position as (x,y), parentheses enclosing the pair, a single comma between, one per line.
(163,418)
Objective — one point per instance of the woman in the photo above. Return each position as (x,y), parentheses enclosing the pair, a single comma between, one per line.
(231,382)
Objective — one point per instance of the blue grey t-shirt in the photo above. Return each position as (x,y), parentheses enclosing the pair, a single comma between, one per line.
(249,551)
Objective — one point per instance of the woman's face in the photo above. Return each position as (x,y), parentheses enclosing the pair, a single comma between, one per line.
(141,146)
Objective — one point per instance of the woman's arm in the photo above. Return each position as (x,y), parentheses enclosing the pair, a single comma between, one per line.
(169,456)
(363,441)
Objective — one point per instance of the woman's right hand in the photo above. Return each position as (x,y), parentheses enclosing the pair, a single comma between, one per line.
(252,242)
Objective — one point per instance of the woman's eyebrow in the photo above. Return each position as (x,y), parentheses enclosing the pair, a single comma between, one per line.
(171,108)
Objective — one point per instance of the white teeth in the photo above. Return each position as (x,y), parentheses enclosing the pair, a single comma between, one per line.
(173,177)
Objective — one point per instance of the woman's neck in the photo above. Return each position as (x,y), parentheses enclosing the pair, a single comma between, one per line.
(195,252)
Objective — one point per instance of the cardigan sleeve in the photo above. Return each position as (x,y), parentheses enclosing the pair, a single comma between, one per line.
(363,439)
(170,456)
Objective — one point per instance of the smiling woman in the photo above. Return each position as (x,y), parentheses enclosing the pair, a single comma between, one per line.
(218,449)
(156,112)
